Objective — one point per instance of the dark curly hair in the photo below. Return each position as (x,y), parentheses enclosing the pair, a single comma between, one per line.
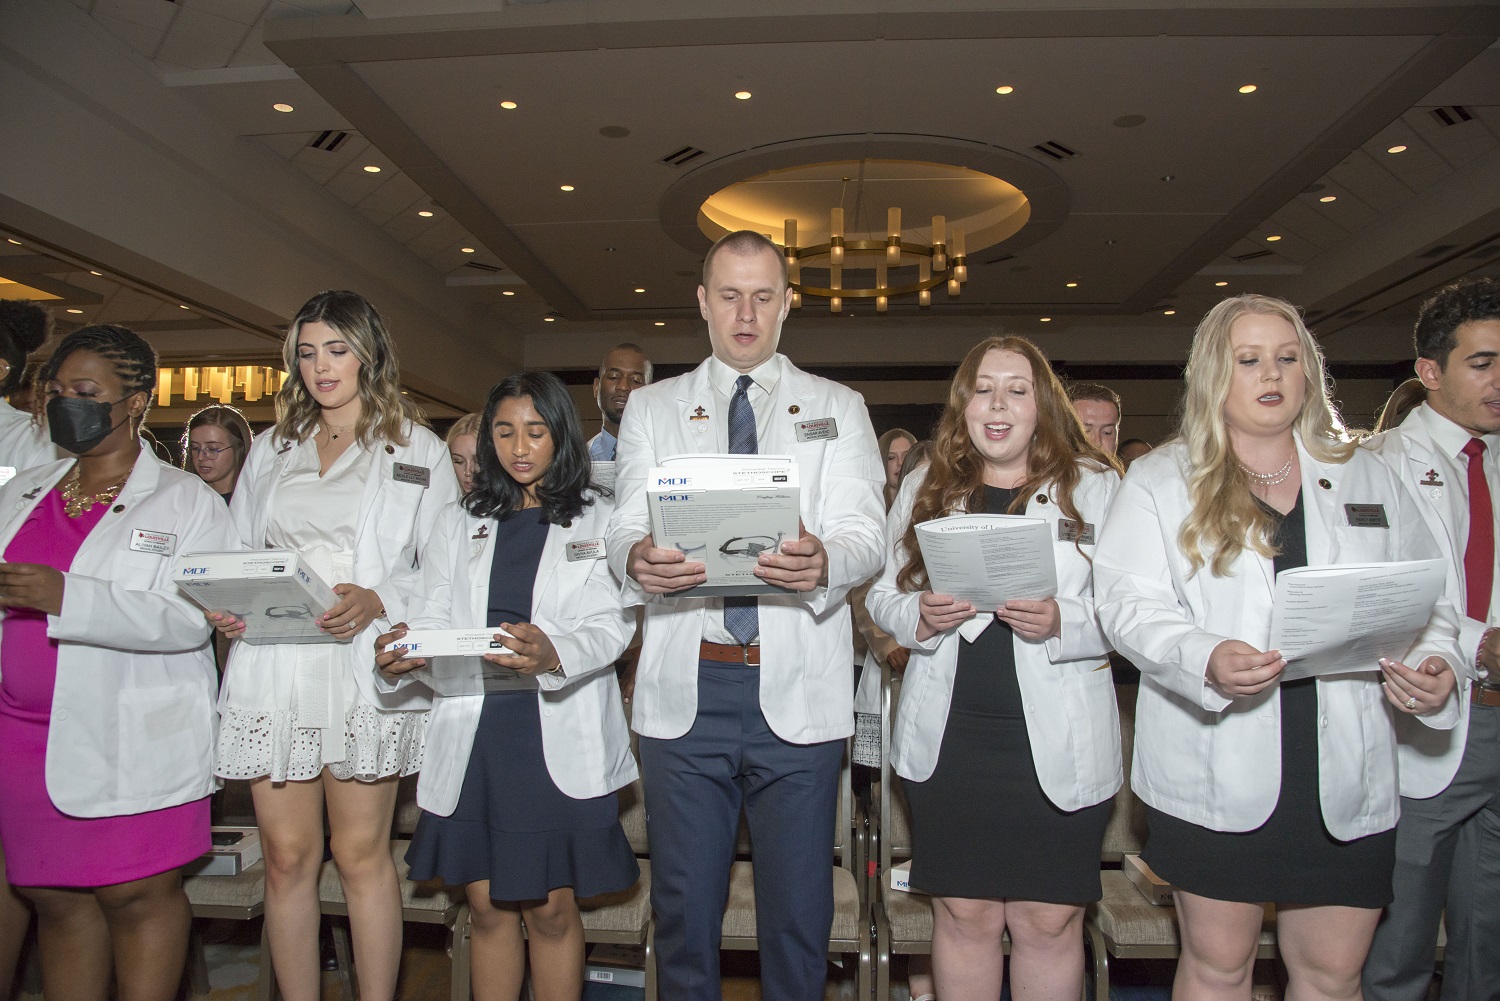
(562,487)
(1436,332)
(24,327)
(133,358)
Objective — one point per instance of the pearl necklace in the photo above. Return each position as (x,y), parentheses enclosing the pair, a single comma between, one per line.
(1270,479)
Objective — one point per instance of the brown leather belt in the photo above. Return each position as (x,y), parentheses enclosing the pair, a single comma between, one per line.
(729,653)
(1482,696)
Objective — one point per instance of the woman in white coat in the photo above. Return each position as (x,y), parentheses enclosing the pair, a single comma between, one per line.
(518,790)
(24,327)
(1008,738)
(106,680)
(349,478)
(1260,790)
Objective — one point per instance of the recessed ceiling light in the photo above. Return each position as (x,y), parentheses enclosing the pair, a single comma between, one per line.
(99,273)
(743,95)
(546,319)
(1248,88)
(1046,319)
(466,250)
(1397,149)
(75,311)
(640,290)
(285,109)
(370,168)
(507,292)
(1329,198)
(565,187)
(1272,238)
(181,306)
(1072,284)
(508,105)
(425,213)
(1006,89)
(1220,284)
(16,242)
(661,323)
(1169,312)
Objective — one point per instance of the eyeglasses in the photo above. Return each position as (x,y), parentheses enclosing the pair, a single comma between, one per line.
(207,451)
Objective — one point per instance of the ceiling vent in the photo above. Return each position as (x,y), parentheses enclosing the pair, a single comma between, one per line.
(1254,255)
(1438,251)
(1453,114)
(685,155)
(488,269)
(1055,150)
(329,140)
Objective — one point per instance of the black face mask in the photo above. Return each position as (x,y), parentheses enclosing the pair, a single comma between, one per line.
(77,424)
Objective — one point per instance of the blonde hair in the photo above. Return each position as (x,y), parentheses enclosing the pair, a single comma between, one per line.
(467,424)
(1225,517)
(384,411)
(955,474)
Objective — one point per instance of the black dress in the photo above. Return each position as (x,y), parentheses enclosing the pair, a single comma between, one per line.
(981,825)
(1291,858)
(512,825)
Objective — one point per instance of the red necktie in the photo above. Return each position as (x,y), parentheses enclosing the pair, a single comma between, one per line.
(1479,555)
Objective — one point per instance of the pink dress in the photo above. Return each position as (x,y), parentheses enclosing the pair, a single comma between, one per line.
(42,846)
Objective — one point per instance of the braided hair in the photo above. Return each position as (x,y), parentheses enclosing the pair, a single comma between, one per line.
(133,358)
(24,327)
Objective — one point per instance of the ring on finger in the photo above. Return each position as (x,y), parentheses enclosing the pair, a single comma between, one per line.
(1411,703)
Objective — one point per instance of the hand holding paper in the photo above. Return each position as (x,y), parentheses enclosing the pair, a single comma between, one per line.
(987,560)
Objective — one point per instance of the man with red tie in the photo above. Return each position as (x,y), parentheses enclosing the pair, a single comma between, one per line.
(1448,838)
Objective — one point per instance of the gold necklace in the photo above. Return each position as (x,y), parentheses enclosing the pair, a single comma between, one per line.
(334,435)
(76,504)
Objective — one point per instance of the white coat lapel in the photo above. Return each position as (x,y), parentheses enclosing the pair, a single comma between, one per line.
(553,552)
(26,501)
(1320,506)
(698,414)
(281,454)
(481,549)
(379,467)
(1427,483)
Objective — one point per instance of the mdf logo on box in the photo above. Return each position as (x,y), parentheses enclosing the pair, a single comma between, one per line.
(192,571)
(668,498)
(671,481)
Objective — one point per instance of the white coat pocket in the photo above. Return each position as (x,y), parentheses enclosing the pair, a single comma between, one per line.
(162,733)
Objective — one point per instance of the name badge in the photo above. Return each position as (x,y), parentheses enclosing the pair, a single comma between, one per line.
(1081,532)
(1366,515)
(590,549)
(824,429)
(160,543)
(403,473)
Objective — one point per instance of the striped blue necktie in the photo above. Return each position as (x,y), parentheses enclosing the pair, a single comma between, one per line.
(741,615)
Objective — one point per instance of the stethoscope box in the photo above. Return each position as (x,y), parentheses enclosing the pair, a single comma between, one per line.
(273,591)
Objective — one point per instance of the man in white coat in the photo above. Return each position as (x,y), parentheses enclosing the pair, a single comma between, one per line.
(747,702)
(1448,837)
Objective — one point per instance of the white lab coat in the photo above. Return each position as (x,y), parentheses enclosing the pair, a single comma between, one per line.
(806,639)
(396,520)
(585,740)
(133,721)
(22,443)
(1430,758)
(1066,685)
(1216,762)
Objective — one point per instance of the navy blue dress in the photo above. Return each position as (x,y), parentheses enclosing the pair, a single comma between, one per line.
(512,825)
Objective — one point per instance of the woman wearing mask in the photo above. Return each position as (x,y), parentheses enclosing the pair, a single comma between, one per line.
(1259,790)
(24,327)
(518,789)
(1010,742)
(463,449)
(214,445)
(106,680)
(351,479)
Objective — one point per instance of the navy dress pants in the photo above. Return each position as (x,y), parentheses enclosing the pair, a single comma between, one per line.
(695,787)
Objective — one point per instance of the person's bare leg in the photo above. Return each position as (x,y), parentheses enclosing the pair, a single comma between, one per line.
(968,959)
(149,921)
(1218,948)
(919,976)
(73,943)
(290,817)
(1046,950)
(1324,949)
(555,932)
(359,825)
(497,952)
(15,919)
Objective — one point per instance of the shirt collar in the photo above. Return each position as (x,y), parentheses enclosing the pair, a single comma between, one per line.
(765,375)
(1448,436)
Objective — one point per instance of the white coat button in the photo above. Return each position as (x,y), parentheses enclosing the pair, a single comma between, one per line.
(1324,721)
(1031,707)
(546,712)
(61,714)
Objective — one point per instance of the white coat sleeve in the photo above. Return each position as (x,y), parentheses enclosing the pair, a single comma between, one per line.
(602,633)
(899,612)
(635,455)
(852,514)
(101,612)
(1137,604)
(1081,636)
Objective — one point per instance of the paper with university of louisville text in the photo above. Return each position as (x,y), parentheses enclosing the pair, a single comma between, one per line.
(1342,619)
(987,560)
